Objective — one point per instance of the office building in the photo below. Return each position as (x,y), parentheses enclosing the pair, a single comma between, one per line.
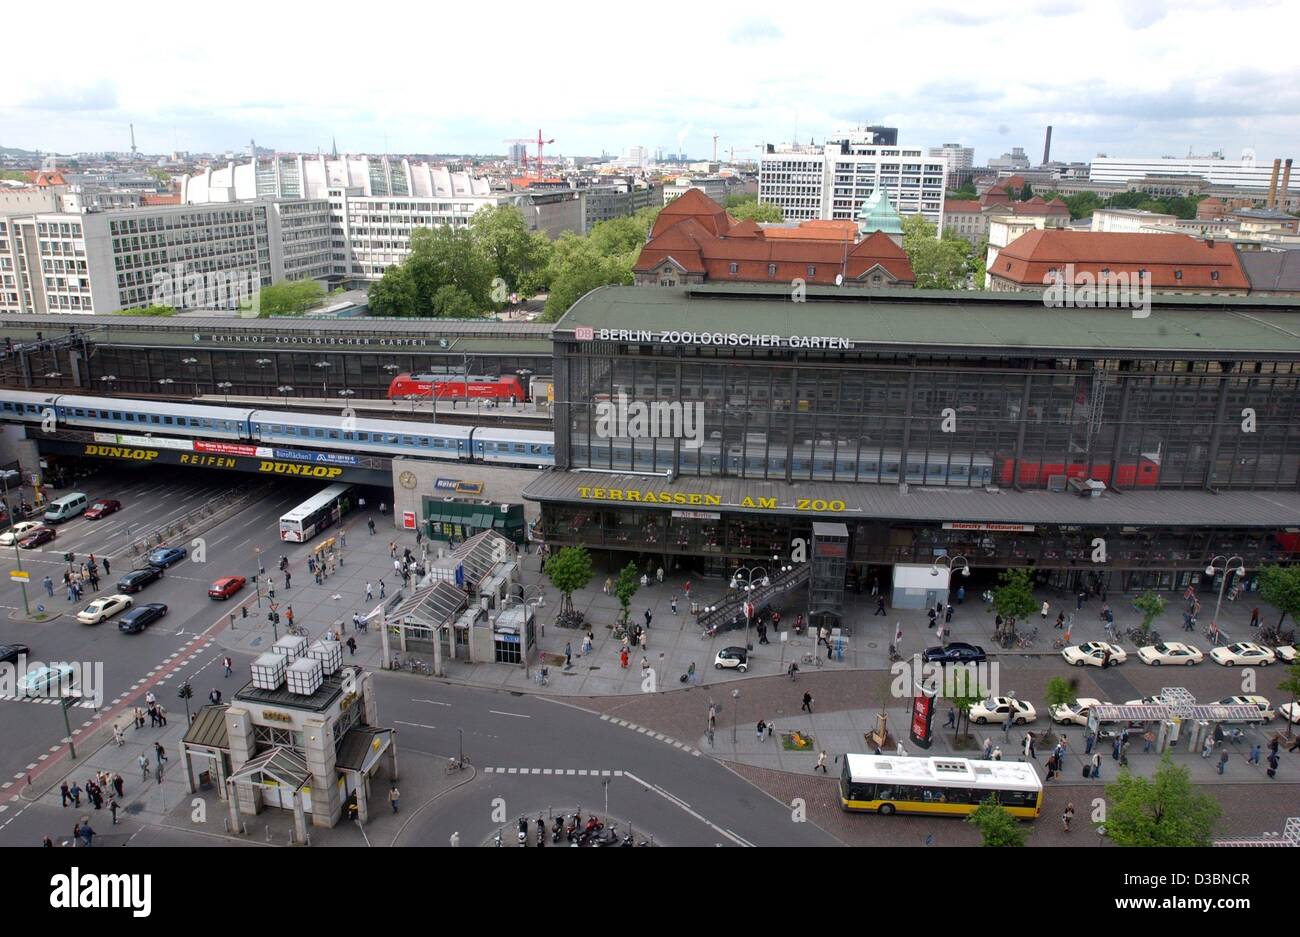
(1246,172)
(957,157)
(713,187)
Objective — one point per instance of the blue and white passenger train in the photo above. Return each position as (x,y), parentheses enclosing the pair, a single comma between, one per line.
(283,428)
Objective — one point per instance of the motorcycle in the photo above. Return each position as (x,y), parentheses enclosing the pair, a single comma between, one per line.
(571,830)
(605,836)
(523,831)
(497,840)
(541,832)
(557,829)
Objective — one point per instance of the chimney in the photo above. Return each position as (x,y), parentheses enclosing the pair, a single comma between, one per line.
(1047,146)
(1280,201)
(1272,184)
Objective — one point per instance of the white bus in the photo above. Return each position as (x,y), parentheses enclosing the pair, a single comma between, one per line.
(316,513)
(945,786)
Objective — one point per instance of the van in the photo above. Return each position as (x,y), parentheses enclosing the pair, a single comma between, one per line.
(66,508)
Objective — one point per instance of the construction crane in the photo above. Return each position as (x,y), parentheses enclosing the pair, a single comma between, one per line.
(540,143)
(715,146)
(524,141)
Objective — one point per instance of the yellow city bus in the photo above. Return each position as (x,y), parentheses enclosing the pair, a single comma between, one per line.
(946,786)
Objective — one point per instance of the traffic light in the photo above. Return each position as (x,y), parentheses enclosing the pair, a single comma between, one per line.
(243,611)
(69,557)
(185,691)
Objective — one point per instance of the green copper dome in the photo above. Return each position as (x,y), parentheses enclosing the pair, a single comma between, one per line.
(877,214)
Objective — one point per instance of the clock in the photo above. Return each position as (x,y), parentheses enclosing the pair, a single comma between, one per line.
(407,479)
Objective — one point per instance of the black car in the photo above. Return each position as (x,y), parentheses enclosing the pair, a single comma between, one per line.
(137,619)
(958,652)
(137,579)
(9,652)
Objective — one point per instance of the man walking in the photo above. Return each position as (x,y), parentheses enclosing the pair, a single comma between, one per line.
(648,616)
(821,762)
(952,719)
(393,795)
(67,795)
(143,762)
(1096,765)
(226,666)
(369,593)
(568,655)
(108,570)
(880,605)
(48,583)
(807,702)
(1067,816)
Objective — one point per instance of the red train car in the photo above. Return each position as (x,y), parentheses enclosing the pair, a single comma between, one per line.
(1145,473)
(444,387)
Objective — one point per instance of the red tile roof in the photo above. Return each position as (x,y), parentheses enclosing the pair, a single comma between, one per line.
(817,230)
(702,242)
(160,200)
(961,206)
(1030,258)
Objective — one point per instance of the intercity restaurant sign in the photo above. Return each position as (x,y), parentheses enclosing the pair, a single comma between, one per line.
(737,339)
(240,338)
(633,496)
(1002,528)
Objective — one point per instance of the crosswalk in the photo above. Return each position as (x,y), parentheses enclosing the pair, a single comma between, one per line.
(49,701)
(651,734)
(568,772)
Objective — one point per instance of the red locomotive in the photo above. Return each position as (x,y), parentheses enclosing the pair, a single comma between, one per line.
(1144,474)
(446,387)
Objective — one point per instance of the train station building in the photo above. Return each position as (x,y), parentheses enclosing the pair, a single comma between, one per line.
(1092,445)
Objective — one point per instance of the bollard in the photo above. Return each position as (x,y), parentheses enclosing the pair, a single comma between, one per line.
(268,834)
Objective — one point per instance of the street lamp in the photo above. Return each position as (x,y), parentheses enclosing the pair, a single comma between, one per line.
(345,393)
(164,381)
(324,366)
(109,380)
(284,389)
(1232,567)
(193,364)
(748,577)
(950,563)
(735,696)
(224,387)
(261,366)
(18,558)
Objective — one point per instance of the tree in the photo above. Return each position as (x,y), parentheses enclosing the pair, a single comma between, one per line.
(569,570)
(754,210)
(162,176)
(1082,204)
(13,175)
(1291,684)
(1280,587)
(395,293)
(289,298)
(963,698)
(517,256)
(439,257)
(1026,193)
(1014,598)
(966,192)
(160,311)
(1150,605)
(937,263)
(578,267)
(625,586)
(996,826)
(1162,811)
(1057,692)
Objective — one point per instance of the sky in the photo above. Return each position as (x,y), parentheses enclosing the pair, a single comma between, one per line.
(1121,77)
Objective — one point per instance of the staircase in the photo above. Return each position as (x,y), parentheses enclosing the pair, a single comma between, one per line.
(733,606)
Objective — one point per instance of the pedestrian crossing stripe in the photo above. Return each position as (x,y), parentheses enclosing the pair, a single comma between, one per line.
(84,704)
(592,772)
(657,736)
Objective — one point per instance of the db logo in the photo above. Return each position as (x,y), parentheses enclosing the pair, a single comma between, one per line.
(584,333)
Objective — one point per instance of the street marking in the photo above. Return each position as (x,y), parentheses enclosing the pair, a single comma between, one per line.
(497,712)
(432,702)
(418,725)
(686,807)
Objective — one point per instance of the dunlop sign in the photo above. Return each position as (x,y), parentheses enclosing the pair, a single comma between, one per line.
(289,468)
(121,452)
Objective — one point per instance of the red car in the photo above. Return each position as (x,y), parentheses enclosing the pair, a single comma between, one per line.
(102,508)
(225,588)
(37,537)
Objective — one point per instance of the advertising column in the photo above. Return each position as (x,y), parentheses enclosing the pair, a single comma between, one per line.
(923,716)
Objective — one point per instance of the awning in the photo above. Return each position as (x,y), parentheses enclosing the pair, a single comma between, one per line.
(208,730)
(281,766)
(1160,712)
(361,747)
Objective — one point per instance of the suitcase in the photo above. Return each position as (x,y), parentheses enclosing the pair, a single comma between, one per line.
(1087,771)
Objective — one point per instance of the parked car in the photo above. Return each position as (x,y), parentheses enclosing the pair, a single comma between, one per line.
(35,538)
(1260,702)
(1170,652)
(9,653)
(225,587)
(103,609)
(1000,708)
(1076,713)
(102,508)
(1156,700)
(958,652)
(141,617)
(46,679)
(1243,654)
(137,579)
(1290,712)
(732,658)
(163,557)
(1093,653)
(17,532)
(1287,653)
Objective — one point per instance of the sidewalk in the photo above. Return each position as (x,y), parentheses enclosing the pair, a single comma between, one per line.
(675,640)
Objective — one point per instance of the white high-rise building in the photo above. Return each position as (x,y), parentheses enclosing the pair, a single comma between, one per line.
(831,182)
(1246,172)
(957,156)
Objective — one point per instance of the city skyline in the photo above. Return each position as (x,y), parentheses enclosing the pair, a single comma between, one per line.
(940,74)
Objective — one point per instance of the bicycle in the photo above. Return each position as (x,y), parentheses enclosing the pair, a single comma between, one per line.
(298,630)
(457,764)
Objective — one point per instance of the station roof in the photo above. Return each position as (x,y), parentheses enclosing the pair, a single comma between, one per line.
(995,322)
(1210,712)
(1270,509)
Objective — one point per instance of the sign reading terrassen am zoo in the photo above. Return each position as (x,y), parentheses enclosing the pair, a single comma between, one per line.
(634,336)
(633,496)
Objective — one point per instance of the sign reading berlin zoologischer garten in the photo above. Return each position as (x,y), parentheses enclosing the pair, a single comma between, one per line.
(737,339)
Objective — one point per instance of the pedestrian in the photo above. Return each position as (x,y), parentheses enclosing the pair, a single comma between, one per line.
(369,592)
(1096,765)
(143,762)
(1208,748)
(118,740)
(997,754)
(226,666)
(112,808)
(1295,746)
(108,570)
(162,715)
(568,654)
(1255,752)
(1029,747)
(961,594)
(1223,761)
(48,583)
(988,748)
(622,658)
(1123,752)
(645,580)
(370,523)
(821,762)
(648,616)
(645,663)
(659,574)
(880,605)
(586,646)
(383,590)
(119,785)
(1089,740)
(65,793)
(1006,727)
(139,718)
(87,834)
(608,583)
(215,697)
(1148,742)
(760,730)
(1254,618)
(1066,816)
(1042,612)
(160,753)
(643,638)
(933,617)
(952,719)
(352,646)
(1060,621)
(807,702)
(1079,600)
(393,795)
(286,579)
(947,614)
(392,548)
(674,605)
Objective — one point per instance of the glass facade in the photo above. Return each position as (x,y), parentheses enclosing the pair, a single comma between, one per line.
(950,421)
